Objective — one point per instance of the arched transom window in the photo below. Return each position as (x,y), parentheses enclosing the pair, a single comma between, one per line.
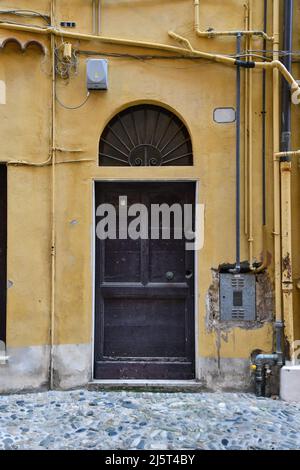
(145,135)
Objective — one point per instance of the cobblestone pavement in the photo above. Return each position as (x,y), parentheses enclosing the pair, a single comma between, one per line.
(132,420)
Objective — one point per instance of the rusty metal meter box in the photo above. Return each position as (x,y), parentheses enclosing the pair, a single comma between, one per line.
(237,297)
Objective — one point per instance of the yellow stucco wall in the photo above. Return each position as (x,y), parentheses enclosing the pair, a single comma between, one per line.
(192,89)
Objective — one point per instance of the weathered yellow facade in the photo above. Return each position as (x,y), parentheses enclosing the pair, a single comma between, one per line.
(51,192)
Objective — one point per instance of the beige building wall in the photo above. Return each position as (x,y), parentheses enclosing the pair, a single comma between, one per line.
(192,89)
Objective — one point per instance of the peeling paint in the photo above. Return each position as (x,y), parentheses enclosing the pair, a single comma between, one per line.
(264,306)
(287,266)
(30,188)
(264,310)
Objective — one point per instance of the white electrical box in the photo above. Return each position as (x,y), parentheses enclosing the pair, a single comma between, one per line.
(97,74)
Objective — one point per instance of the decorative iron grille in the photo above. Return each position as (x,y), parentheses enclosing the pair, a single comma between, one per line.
(145,135)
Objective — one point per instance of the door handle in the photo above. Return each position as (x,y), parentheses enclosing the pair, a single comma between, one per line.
(170,276)
(188,274)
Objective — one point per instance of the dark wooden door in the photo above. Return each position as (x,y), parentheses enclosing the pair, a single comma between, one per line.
(144,326)
(3,230)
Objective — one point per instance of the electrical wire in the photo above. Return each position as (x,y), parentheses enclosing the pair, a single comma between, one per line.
(65,68)
(26,13)
(23,24)
(46,162)
(72,107)
(21,12)
(245,53)
(27,163)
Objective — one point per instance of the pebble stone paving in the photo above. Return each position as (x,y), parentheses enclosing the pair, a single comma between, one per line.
(158,421)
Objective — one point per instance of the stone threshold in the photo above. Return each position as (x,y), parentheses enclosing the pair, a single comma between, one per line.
(159,386)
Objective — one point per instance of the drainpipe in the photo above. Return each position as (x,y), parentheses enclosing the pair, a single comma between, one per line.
(285,169)
(262,360)
(264,264)
(246,126)
(276,185)
(250,147)
(53,207)
(237,268)
(264,112)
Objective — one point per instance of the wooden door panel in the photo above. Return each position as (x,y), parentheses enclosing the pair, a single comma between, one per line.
(144,370)
(159,267)
(122,265)
(144,324)
(144,328)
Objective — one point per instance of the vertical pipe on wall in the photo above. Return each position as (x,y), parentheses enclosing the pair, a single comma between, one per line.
(286,168)
(250,148)
(264,264)
(264,115)
(238,156)
(53,205)
(99,17)
(246,131)
(3,251)
(287,270)
(276,170)
(287,61)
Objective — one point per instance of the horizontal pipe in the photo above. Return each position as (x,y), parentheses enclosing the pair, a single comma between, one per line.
(292,153)
(276,64)
(265,357)
(213,33)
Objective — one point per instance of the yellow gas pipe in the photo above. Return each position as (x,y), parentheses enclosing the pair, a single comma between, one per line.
(246,137)
(99,16)
(292,153)
(191,52)
(250,148)
(249,160)
(275,65)
(282,207)
(93,16)
(96,15)
(53,206)
(212,33)
(276,167)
